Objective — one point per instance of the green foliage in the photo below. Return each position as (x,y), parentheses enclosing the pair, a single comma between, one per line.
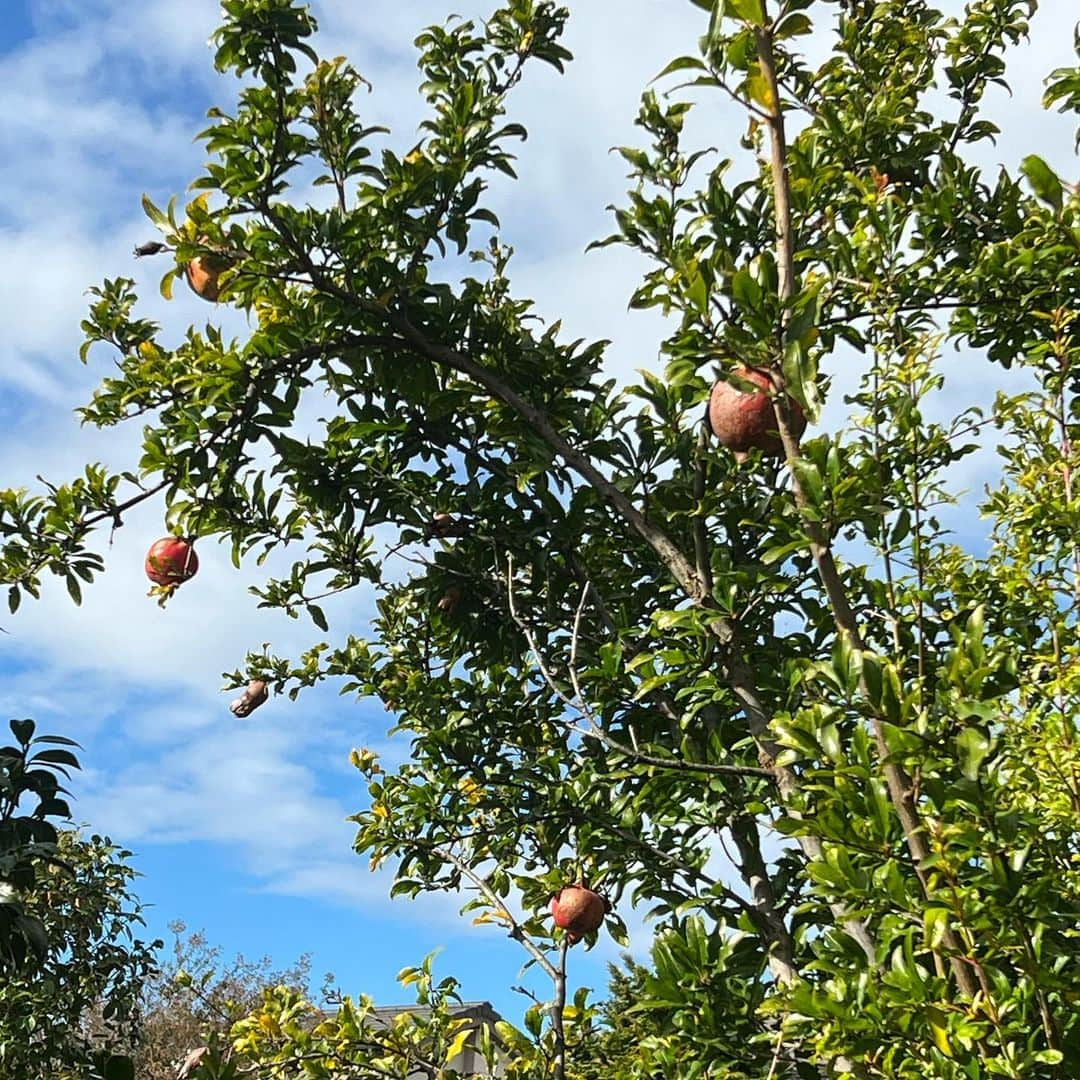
(614,648)
(28,840)
(73,968)
(195,995)
(75,1010)
(354,1040)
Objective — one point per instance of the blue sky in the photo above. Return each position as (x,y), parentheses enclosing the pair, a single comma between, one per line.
(239,827)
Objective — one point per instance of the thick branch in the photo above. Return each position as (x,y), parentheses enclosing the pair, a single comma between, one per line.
(896,778)
(756,875)
(558,1008)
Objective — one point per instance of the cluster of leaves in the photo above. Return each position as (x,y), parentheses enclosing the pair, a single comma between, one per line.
(195,995)
(73,968)
(29,770)
(74,1008)
(614,648)
(433,1039)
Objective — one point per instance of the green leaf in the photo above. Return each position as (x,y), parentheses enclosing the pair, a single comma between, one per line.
(458,1044)
(829,738)
(56,757)
(793,26)
(939,1028)
(1048,1057)
(751,11)
(782,551)
(153,213)
(1044,181)
(56,740)
(973,747)
(697,293)
(681,63)
(746,291)
(33,929)
(119,1068)
(810,481)
(23,730)
(935,926)
(511,1037)
(534,1021)
(760,92)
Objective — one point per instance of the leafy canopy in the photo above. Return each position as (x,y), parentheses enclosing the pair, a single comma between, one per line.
(615,648)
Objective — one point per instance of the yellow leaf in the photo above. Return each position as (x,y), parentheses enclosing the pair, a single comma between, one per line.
(760,92)
(500,916)
(458,1044)
(939,1029)
(470,789)
(269,1024)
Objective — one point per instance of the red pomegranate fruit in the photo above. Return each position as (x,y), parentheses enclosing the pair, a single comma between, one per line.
(578,911)
(747,421)
(202,274)
(171,561)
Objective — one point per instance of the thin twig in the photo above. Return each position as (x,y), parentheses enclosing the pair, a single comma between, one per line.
(580,705)
(516,931)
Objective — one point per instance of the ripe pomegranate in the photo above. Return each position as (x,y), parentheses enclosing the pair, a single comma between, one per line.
(253,696)
(578,911)
(171,561)
(202,274)
(747,421)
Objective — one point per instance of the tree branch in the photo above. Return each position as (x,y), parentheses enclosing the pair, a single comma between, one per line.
(896,778)
(580,705)
(738,674)
(516,931)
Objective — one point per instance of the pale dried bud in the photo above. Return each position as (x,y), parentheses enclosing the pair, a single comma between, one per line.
(254,696)
(192,1062)
(450,599)
(442,525)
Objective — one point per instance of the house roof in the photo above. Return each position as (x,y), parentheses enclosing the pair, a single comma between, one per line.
(482,1011)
